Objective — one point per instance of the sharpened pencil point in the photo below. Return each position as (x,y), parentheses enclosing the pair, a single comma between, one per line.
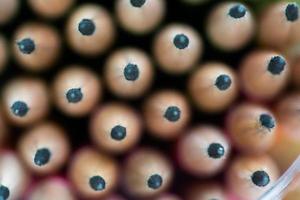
(118,133)
(223,82)
(74,95)
(86,27)
(267,121)
(131,72)
(292,12)
(155,181)
(172,113)
(181,41)
(19,108)
(26,46)
(216,150)
(42,157)
(97,183)
(137,3)
(4,192)
(238,11)
(260,178)
(276,65)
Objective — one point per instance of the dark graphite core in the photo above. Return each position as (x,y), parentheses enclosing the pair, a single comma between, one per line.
(97,183)
(172,113)
(26,46)
(74,95)
(223,82)
(86,27)
(215,150)
(19,108)
(118,133)
(292,12)
(137,3)
(238,11)
(260,178)
(131,72)
(267,121)
(276,65)
(181,41)
(155,181)
(42,157)
(4,192)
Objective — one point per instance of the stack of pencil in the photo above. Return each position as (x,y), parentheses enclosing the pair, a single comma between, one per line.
(149,100)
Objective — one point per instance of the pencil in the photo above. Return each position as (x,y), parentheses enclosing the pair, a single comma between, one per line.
(230,26)
(115,127)
(90,30)
(14,177)
(177,48)
(36,46)
(213,87)
(147,173)
(252,128)
(264,74)
(203,151)
(93,174)
(136,16)
(128,73)
(25,101)
(248,177)
(50,189)
(51,9)
(76,90)
(277,24)
(166,114)
(44,148)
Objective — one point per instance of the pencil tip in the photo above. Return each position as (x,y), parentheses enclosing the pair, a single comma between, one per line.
(223,82)
(260,178)
(181,41)
(292,12)
(86,27)
(4,192)
(26,46)
(267,121)
(19,108)
(118,133)
(172,113)
(74,95)
(216,150)
(238,11)
(276,65)
(42,157)
(131,72)
(155,181)
(137,3)
(97,183)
